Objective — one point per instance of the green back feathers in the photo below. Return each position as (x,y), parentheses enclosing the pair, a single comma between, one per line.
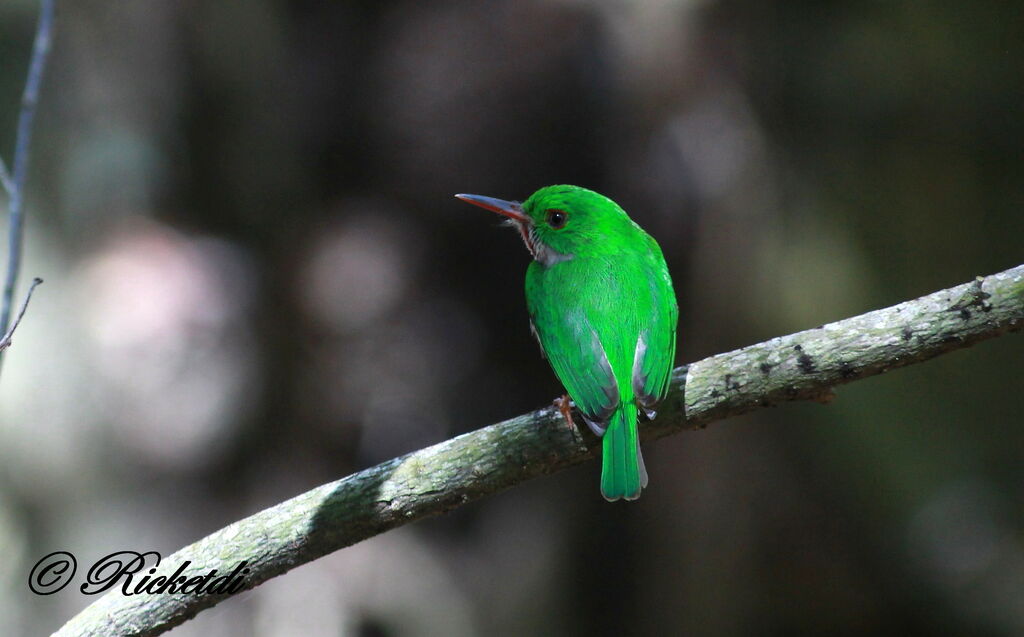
(602,306)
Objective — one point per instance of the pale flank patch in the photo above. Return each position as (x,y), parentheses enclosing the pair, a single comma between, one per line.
(639,380)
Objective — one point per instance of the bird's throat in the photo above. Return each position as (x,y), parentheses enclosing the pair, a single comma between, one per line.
(529,237)
(540,251)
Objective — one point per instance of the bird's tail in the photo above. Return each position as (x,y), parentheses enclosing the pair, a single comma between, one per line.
(622,466)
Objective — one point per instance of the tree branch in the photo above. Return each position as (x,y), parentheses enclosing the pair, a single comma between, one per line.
(14,183)
(802,366)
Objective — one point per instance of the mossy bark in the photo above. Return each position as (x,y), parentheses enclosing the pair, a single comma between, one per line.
(802,366)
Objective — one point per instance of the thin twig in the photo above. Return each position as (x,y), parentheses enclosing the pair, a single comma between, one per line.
(5,342)
(802,366)
(5,178)
(15,183)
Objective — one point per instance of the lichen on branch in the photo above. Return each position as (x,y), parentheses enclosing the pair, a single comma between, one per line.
(807,365)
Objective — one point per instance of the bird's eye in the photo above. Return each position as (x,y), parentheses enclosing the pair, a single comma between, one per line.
(557,218)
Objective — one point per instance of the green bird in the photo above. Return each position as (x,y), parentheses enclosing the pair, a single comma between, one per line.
(602,307)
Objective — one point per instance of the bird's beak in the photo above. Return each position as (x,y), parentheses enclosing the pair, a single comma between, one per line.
(511,209)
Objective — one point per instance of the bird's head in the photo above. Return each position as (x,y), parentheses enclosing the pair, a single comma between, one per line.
(558,223)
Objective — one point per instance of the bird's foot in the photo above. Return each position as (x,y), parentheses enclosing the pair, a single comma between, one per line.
(565,408)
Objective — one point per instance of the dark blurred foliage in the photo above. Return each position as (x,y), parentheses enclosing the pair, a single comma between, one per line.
(258,281)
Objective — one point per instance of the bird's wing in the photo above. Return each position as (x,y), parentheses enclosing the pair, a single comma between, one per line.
(656,345)
(575,352)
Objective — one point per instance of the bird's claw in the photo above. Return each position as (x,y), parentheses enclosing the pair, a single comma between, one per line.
(564,406)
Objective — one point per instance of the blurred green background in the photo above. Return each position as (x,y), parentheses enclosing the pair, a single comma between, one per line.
(257,281)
